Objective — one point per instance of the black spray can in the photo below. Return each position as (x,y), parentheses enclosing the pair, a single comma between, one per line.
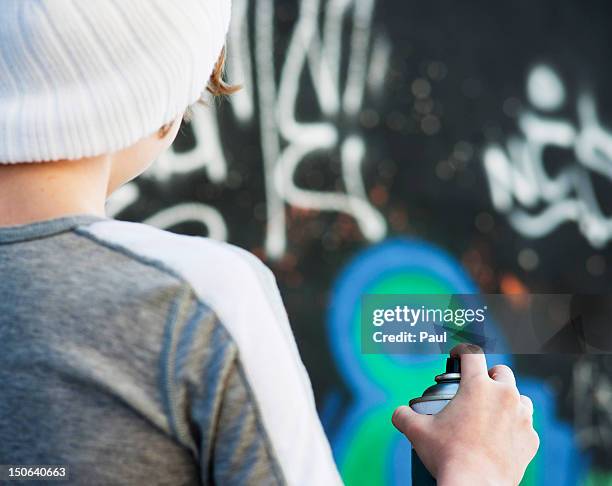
(434,399)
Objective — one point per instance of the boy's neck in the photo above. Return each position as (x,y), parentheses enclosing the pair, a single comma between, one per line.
(33,192)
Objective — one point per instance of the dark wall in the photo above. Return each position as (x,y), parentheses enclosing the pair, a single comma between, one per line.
(483,129)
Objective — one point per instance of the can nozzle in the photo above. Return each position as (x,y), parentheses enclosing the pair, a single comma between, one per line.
(453,364)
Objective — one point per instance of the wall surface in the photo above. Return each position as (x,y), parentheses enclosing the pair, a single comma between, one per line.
(411,147)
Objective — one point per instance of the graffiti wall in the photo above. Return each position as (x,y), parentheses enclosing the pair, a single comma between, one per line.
(410,147)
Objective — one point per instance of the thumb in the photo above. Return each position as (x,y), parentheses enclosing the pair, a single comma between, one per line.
(473,361)
(410,423)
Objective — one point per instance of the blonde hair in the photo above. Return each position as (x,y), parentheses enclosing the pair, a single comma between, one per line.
(216,86)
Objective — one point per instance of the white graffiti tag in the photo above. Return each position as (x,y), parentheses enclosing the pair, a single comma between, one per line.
(536,200)
(271,97)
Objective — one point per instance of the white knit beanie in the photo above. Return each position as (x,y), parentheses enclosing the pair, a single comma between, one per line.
(80,78)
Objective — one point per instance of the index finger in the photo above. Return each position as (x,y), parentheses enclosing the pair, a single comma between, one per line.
(473,361)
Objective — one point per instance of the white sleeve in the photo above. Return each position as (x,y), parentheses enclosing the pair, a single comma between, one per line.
(243,294)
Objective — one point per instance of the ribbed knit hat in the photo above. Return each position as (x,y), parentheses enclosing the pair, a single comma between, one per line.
(80,78)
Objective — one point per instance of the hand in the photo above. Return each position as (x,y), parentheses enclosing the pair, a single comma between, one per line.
(484,435)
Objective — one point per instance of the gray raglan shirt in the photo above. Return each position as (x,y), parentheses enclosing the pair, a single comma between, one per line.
(140,357)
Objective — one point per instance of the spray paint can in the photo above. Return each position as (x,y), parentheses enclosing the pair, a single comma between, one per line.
(433,400)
